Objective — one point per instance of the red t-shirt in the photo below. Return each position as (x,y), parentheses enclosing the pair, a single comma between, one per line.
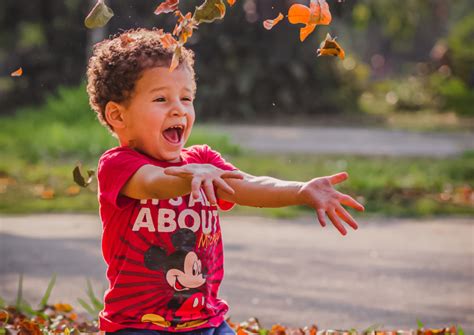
(164,257)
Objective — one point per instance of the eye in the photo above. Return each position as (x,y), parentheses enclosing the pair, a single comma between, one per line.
(195,269)
(160,99)
(187,99)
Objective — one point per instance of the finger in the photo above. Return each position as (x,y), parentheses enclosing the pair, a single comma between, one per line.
(177,171)
(209,190)
(338,177)
(321,217)
(343,214)
(349,201)
(335,221)
(196,186)
(232,174)
(224,186)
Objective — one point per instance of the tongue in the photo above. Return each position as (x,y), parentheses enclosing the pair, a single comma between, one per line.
(171,134)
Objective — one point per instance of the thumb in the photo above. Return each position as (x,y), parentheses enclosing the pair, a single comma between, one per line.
(338,177)
(177,171)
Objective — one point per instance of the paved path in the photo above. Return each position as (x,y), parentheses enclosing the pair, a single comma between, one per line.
(345,140)
(292,271)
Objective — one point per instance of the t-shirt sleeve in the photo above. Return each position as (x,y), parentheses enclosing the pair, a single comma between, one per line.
(213,157)
(114,169)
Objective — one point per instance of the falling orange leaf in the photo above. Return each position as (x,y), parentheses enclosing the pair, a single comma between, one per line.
(329,47)
(185,26)
(269,24)
(168,41)
(231,2)
(175,59)
(317,13)
(167,7)
(221,8)
(98,16)
(209,11)
(17,73)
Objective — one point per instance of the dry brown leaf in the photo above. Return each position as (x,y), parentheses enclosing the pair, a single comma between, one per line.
(17,73)
(167,7)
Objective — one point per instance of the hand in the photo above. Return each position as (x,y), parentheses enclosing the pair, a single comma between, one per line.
(206,175)
(320,194)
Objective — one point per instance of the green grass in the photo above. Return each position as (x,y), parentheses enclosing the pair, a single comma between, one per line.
(388,186)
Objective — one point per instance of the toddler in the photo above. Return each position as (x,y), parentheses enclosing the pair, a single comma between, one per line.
(159,201)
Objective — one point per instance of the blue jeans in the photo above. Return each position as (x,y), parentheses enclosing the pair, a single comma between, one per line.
(223,329)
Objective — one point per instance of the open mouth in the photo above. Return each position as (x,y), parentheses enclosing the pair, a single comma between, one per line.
(178,285)
(174,134)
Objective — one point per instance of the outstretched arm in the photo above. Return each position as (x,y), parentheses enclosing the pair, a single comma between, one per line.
(158,183)
(317,193)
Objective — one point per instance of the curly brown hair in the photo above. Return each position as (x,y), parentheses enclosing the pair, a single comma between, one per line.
(117,63)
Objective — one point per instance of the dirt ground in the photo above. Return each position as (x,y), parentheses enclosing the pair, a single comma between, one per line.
(390,271)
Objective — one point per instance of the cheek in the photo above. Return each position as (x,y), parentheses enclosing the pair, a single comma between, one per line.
(190,121)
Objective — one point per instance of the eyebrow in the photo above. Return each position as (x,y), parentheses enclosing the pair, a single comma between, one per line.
(165,88)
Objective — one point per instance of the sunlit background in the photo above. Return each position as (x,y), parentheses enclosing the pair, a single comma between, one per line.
(397,114)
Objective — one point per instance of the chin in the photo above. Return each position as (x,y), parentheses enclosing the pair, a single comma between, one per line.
(172,157)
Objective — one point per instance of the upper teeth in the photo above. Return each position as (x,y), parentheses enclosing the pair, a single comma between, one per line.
(178,126)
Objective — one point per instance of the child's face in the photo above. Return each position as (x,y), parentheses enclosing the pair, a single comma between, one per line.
(160,113)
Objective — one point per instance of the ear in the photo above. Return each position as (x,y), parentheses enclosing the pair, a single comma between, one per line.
(114,115)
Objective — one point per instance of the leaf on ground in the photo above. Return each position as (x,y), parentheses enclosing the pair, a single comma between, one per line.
(79,179)
(317,13)
(167,7)
(98,16)
(269,24)
(47,193)
(329,47)
(62,308)
(29,327)
(73,190)
(17,73)
(209,11)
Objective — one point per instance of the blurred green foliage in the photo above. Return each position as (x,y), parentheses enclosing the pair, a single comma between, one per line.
(65,128)
(245,72)
(461,46)
(455,94)
(42,145)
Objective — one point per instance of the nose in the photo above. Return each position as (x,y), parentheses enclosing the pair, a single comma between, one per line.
(177,110)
